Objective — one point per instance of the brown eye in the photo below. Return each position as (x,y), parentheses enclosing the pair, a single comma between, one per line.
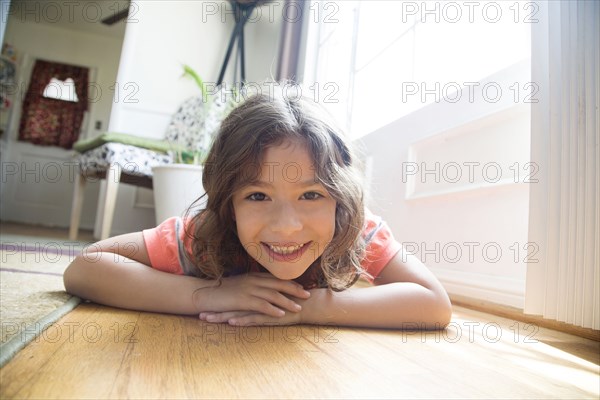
(257,197)
(311,196)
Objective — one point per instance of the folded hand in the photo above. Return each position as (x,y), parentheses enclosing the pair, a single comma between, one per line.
(249,297)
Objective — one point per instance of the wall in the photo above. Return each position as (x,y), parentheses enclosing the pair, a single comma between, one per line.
(53,43)
(262,38)
(451,181)
(37,180)
(4,6)
(194,33)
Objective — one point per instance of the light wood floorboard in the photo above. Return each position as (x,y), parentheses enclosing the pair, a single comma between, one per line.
(101,352)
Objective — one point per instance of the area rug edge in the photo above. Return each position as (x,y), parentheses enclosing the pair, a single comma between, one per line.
(9,349)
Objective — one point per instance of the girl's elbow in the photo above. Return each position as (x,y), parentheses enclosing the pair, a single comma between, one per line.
(73,277)
(438,313)
(445,316)
(68,277)
(443,312)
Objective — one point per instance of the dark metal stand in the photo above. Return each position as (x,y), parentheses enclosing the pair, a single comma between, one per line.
(242,13)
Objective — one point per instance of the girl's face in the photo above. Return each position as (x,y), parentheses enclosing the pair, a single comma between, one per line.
(285,220)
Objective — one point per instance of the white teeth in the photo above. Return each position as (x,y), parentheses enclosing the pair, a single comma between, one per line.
(285,249)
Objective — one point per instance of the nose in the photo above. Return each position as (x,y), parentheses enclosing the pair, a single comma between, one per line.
(286,220)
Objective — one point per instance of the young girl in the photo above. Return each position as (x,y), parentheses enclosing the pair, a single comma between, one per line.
(283,235)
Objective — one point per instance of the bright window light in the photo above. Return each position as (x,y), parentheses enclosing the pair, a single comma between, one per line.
(374,50)
(61,90)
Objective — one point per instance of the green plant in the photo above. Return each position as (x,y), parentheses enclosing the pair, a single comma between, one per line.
(182,155)
(191,73)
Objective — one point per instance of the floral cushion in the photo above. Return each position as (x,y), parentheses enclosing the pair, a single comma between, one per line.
(196,123)
(133,160)
(83,145)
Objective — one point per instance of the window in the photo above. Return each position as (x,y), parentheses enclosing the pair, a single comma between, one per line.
(46,121)
(61,90)
(389,58)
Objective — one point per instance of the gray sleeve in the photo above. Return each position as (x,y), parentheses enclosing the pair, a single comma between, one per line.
(186,264)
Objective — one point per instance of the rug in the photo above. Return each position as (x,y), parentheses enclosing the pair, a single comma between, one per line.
(32,294)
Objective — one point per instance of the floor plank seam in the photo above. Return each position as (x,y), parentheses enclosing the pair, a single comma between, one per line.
(128,350)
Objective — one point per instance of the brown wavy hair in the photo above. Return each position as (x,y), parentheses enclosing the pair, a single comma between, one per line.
(261,121)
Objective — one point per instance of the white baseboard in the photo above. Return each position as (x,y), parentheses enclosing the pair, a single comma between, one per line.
(495,289)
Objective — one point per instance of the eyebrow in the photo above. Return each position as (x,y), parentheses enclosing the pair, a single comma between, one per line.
(305,183)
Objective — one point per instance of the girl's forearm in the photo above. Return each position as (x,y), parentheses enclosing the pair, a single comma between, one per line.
(403,305)
(114,280)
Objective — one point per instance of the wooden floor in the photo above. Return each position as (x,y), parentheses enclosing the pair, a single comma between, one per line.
(14,228)
(100,352)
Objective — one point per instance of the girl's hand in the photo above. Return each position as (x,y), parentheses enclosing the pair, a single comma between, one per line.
(259,293)
(245,318)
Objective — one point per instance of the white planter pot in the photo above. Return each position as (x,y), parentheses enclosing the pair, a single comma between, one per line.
(176,187)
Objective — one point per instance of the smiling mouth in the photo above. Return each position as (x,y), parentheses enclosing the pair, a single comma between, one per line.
(285,250)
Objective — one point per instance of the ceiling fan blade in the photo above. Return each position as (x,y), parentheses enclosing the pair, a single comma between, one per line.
(116,17)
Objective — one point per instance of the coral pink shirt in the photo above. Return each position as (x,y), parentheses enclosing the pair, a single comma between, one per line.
(166,250)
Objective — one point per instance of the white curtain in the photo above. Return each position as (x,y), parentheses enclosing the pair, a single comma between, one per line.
(563,273)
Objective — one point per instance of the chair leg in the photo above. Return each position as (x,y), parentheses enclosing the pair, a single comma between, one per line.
(76,206)
(113,177)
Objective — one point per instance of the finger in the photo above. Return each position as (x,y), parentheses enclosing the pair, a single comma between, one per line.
(293,289)
(219,316)
(258,299)
(260,305)
(283,286)
(277,299)
(258,319)
(224,316)
(204,315)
